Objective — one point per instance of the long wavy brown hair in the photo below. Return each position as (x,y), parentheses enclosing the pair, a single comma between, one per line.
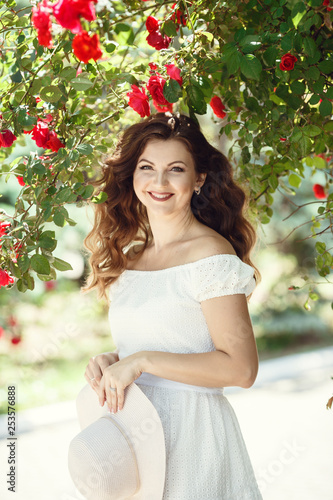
(122,219)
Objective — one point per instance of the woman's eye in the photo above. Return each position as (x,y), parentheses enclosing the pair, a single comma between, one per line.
(149,166)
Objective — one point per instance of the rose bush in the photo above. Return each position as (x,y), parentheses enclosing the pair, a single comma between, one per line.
(75,72)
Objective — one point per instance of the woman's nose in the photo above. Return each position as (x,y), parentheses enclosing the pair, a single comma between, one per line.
(161,179)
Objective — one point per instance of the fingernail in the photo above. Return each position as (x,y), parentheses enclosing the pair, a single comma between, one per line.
(118,408)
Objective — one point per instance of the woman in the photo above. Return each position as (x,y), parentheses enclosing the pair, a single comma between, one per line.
(178,310)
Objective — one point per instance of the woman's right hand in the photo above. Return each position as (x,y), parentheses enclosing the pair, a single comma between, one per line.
(96,366)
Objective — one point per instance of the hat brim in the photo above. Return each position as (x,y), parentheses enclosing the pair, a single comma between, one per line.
(142,422)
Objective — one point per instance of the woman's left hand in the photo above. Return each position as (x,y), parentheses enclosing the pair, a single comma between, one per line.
(119,375)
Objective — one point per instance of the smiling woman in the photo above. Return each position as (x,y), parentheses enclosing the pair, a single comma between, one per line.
(179,319)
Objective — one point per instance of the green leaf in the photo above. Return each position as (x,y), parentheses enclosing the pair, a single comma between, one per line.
(196,99)
(47,240)
(40,264)
(111,47)
(81,83)
(23,262)
(320,247)
(315,98)
(246,155)
(294,180)
(311,130)
(68,73)
(329,126)
(305,145)
(172,90)
(313,73)
(169,28)
(325,107)
(100,198)
(59,218)
(50,93)
(297,87)
(319,162)
(21,286)
(298,13)
(125,34)
(233,64)
(270,56)
(326,66)
(250,67)
(63,194)
(89,189)
(85,149)
(310,47)
(286,43)
(61,265)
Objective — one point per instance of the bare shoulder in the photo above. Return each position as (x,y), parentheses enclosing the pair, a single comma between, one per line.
(210,244)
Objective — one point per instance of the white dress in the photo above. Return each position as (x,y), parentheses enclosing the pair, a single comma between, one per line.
(160,310)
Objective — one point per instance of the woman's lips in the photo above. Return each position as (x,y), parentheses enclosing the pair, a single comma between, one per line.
(157,198)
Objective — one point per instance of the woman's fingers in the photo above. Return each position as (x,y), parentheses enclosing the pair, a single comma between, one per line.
(115,398)
(95,369)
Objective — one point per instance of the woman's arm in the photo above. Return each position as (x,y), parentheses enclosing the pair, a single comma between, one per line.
(235,361)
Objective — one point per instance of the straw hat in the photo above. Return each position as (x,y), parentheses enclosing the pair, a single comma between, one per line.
(118,456)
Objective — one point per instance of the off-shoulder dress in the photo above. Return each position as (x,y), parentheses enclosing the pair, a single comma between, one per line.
(160,310)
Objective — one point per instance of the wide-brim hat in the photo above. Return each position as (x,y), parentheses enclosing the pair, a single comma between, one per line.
(118,456)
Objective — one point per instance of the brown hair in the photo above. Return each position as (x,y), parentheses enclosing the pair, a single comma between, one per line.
(122,218)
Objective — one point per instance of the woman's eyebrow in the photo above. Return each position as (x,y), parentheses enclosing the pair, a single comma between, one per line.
(152,163)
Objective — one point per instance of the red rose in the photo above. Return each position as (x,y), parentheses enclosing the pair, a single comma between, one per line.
(86,47)
(42,22)
(3,227)
(17,248)
(49,285)
(54,142)
(40,134)
(178,16)
(155,88)
(174,73)
(163,109)
(157,41)
(287,62)
(20,180)
(5,279)
(319,192)
(7,138)
(15,340)
(45,138)
(153,68)
(68,13)
(326,3)
(218,107)
(138,100)
(151,24)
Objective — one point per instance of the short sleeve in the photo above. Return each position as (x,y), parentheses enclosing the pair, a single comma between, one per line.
(222,274)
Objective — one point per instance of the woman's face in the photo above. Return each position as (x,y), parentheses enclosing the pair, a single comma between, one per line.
(166,168)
